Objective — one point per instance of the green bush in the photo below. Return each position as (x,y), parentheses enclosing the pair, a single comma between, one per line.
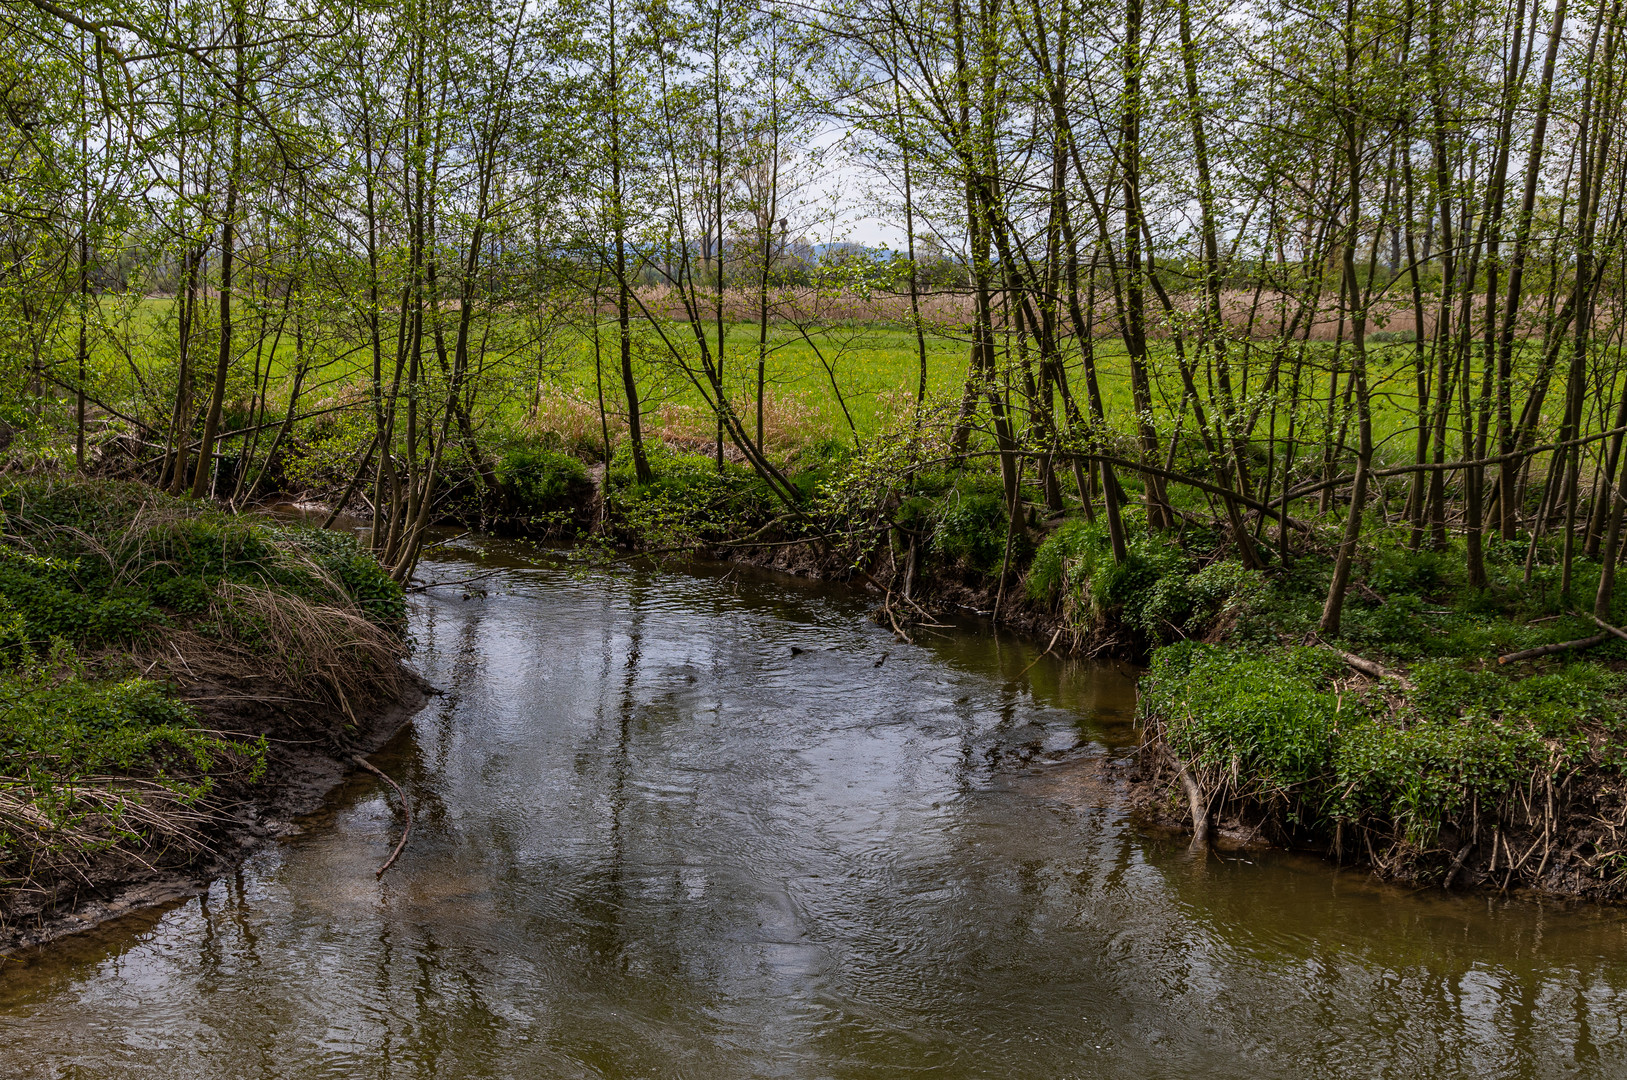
(343,560)
(82,725)
(540,480)
(1071,552)
(1268,712)
(1278,719)
(1187,602)
(1394,568)
(689,501)
(817,463)
(970,524)
(1422,775)
(1158,590)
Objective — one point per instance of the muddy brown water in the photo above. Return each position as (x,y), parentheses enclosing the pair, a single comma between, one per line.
(693,825)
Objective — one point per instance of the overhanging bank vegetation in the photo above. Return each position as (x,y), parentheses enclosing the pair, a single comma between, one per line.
(1271,326)
(170,675)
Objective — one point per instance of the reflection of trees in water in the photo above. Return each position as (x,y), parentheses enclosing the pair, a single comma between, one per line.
(602,901)
(1472,984)
(220,953)
(1012,931)
(423,761)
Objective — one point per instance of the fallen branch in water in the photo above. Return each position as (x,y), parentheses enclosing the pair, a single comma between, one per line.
(406,810)
(1457,864)
(685,549)
(458,581)
(1197,803)
(887,608)
(1042,655)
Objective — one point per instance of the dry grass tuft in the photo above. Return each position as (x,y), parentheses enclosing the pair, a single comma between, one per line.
(789,423)
(572,419)
(315,661)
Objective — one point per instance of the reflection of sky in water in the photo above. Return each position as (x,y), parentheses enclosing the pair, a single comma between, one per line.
(653,840)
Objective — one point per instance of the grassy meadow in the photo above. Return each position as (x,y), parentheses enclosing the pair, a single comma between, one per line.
(541,377)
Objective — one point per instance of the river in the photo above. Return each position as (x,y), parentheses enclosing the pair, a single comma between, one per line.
(716,824)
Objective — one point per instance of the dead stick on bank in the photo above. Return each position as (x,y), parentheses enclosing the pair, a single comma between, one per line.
(1548,650)
(1367,667)
(1610,629)
(406,810)
(1579,643)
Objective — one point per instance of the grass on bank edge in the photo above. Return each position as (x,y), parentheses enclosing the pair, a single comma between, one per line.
(148,645)
(1449,754)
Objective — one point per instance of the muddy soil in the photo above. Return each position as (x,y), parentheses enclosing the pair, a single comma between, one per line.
(302,766)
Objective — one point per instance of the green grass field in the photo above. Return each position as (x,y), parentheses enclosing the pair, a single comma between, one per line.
(835,382)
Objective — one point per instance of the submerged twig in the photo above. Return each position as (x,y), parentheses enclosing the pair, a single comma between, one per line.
(1197,802)
(406,810)
(1042,655)
(457,581)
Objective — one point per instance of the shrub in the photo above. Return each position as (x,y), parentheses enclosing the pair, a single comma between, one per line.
(970,524)
(1280,719)
(688,501)
(540,480)
(1157,590)
(1267,713)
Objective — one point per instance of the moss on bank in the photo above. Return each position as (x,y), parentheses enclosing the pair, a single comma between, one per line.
(148,648)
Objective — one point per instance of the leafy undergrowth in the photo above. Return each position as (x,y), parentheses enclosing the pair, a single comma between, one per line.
(547,490)
(1160,592)
(147,647)
(688,502)
(1404,776)
(1449,766)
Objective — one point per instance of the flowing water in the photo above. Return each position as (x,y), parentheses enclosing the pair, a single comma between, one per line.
(711,825)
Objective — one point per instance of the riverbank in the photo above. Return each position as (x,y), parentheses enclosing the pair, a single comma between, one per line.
(1447,735)
(177,684)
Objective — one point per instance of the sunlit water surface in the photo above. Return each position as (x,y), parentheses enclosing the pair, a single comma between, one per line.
(712,825)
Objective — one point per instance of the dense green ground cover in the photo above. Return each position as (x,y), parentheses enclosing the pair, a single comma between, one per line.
(109,595)
(1448,748)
